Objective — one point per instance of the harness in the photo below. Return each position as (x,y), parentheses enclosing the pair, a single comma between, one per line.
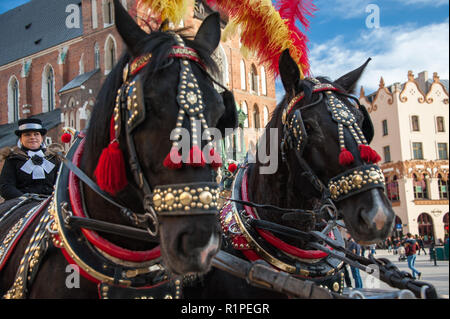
(254,237)
(118,272)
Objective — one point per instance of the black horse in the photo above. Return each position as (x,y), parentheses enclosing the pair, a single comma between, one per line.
(312,170)
(160,84)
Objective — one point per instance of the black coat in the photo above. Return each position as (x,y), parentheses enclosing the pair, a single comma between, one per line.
(14,182)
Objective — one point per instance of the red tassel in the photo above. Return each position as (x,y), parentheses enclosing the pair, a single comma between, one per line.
(368,154)
(346,157)
(214,159)
(374,157)
(173,160)
(196,158)
(110,172)
(232,167)
(66,138)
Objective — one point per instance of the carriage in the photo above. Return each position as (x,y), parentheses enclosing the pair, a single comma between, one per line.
(138,216)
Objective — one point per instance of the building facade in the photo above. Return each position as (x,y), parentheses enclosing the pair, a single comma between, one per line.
(64,50)
(411,135)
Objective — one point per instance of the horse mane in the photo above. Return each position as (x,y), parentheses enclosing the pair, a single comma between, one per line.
(159,43)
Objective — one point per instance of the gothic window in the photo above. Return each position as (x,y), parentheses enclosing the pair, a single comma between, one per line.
(110,54)
(96,56)
(13,100)
(254,79)
(48,89)
(243,82)
(263,81)
(245,110)
(108,13)
(256,120)
(94,14)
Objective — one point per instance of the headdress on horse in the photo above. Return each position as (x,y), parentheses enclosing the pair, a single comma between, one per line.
(110,171)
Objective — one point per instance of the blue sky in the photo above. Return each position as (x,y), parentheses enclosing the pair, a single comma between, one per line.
(412,35)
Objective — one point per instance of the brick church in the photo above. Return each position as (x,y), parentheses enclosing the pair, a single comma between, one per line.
(57,53)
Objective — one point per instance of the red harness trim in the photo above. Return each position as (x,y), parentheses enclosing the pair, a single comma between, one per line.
(18,236)
(99,242)
(177,52)
(300,97)
(278,243)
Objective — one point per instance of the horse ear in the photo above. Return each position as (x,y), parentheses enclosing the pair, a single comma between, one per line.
(230,118)
(289,72)
(209,32)
(128,29)
(349,81)
(367,125)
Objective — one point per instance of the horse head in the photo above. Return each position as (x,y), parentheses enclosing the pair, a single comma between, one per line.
(163,90)
(329,132)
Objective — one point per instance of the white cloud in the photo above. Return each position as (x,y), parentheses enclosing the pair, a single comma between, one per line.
(394,51)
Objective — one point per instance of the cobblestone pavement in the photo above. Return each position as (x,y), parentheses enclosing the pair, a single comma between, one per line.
(435,275)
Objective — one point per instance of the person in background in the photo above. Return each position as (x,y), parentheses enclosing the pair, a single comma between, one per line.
(421,244)
(411,247)
(30,167)
(355,248)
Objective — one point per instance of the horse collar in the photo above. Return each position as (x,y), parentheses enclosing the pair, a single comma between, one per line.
(260,244)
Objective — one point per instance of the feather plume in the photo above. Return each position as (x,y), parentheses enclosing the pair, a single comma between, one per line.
(265,32)
(172,10)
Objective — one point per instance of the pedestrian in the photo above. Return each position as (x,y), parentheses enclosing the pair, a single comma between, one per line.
(373,249)
(30,167)
(411,247)
(421,245)
(355,248)
(389,244)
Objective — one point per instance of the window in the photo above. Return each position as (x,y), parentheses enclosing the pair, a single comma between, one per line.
(420,187)
(387,154)
(415,123)
(256,121)
(94,14)
(245,110)
(13,100)
(108,13)
(443,187)
(417,151)
(48,89)
(385,128)
(392,190)
(442,151)
(110,54)
(263,81)
(243,84)
(440,124)
(254,79)
(96,57)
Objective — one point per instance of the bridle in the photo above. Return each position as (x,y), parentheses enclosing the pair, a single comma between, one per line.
(354,181)
(191,199)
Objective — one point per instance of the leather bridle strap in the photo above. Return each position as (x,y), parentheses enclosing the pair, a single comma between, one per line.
(133,217)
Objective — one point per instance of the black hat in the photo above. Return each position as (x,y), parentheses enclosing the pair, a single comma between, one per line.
(27,125)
